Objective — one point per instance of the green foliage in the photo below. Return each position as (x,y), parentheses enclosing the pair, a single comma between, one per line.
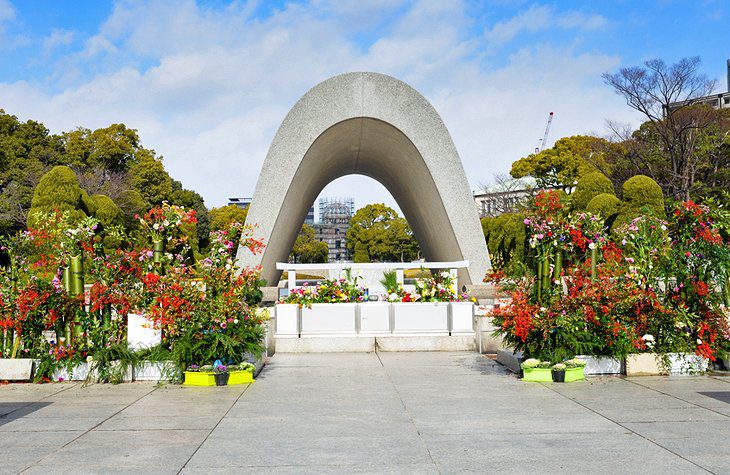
(150,179)
(387,236)
(361,253)
(59,190)
(306,249)
(106,211)
(641,195)
(605,205)
(221,218)
(563,164)
(640,191)
(192,200)
(588,187)
(506,238)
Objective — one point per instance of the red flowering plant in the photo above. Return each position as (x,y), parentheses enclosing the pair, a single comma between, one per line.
(697,278)
(222,322)
(646,245)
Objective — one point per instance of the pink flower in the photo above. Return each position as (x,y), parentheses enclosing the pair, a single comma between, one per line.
(688,254)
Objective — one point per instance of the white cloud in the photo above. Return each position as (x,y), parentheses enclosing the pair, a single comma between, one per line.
(542,18)
(58,37)
(7,11)
(221,82)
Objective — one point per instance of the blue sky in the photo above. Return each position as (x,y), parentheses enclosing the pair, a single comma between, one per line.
(210,81)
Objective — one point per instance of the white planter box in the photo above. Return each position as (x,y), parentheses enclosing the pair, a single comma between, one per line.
(16,369)
(602,365)
(141,333)
(645,364)
(375,318)
(286,319)
(77,373)
(462,317)
(329,318)
(155,371)
(426,317)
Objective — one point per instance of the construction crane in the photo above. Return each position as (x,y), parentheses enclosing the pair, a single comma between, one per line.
(541,143)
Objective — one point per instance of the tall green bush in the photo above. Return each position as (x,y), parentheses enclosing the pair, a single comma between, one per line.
(588,187)
(641,191)
(59,190)
(506,237)
(361,253)
(106,211)
(605,205)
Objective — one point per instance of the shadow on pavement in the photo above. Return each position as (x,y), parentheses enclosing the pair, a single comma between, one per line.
(10,411)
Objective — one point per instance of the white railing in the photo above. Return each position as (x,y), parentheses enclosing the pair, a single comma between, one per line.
(398,267)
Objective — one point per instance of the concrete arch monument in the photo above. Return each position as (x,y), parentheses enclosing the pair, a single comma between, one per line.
(374,125)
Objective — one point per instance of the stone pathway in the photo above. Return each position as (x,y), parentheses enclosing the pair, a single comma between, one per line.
(371,413)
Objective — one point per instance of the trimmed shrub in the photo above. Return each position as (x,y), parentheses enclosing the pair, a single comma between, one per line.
(106,211)
(588,187)
(641,191)
(605,205)
(58,190)
(506,236)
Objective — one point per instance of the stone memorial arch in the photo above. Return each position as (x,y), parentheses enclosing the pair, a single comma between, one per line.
(374,125)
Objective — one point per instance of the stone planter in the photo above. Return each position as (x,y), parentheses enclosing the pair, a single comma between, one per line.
(287,319)
(156,371)
(375,318)
(329,319)
(649,364)
(16,369)
(462,317)
(426,317)
(78,373)
(140,332)
(602,365)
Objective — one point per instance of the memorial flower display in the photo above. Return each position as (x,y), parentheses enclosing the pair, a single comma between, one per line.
(651,285)
(65,296)
(341,290)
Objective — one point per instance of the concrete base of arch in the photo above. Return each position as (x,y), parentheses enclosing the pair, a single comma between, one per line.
(373,125)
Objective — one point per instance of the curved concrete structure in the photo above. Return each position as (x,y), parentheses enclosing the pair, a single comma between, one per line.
(374,125)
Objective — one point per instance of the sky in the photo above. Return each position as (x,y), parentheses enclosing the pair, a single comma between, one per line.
(207,83)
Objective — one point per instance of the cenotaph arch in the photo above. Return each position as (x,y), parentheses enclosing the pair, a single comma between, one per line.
(374,125)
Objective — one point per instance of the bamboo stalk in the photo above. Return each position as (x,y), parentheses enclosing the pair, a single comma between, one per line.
(538,283)
(546,273)
(594,256)
(158,250)
(558,266)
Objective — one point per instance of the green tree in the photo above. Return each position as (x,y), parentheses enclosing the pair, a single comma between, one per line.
(221,218)
(361,253)
(563,164)
(666,95)
(506,237)
(308,250)
(150,179)
(386,235)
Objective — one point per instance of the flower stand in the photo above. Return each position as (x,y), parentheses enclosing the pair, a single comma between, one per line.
(195,378)
(462,317)
(374,317)
(575,374)
(417,317)
(539,375)
(240,377)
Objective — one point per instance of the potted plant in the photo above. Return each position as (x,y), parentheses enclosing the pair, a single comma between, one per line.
(221,375)
(241,373)
(535,370)
(199,375)
(574,370)
(558,372)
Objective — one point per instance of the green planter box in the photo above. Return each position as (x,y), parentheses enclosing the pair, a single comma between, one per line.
(540,375)
(575,374)
(240,377)
(195,378)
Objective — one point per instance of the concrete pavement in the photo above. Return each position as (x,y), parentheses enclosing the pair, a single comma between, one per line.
(371,413)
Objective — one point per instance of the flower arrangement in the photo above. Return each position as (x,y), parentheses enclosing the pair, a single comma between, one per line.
(651,286)
(438,288)
(328,291)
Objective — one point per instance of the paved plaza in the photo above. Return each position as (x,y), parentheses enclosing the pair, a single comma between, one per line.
(371,413)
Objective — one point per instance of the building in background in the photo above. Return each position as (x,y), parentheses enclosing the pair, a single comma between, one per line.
(506,195)
(240,202)
(334,221)
(717,101)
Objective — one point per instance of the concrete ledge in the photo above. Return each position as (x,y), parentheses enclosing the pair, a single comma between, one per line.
(426,343)
(329,344)
(16,369)
(511,360)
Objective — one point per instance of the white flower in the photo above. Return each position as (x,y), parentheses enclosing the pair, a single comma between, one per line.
(156,226)
(235,320)
(89,359)
(445,275)
(166,223)
(699,342)
(664,228)
(592,245)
